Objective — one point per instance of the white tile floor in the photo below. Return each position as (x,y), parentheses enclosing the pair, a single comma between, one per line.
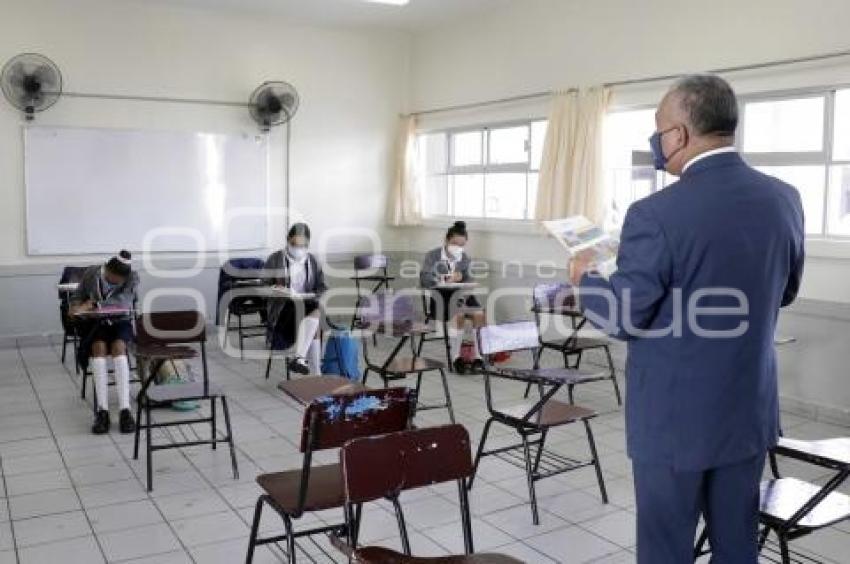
(69,497)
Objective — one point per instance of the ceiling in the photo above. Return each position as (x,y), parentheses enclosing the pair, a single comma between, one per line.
(418,15)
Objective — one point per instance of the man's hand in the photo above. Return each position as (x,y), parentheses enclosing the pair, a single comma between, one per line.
(456,277)
(580,264)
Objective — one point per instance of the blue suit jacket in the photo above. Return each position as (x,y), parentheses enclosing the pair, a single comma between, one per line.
(697,402)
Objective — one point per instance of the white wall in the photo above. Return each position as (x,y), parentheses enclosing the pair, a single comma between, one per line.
(352,84)
(538,45)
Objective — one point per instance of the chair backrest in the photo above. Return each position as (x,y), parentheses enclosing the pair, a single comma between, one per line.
(387,308)
(383,466)
(331,421)
(508,337)
(171,328)
(554,295)
(370,262)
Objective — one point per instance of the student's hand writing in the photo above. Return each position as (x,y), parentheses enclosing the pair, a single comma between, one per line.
(456,277)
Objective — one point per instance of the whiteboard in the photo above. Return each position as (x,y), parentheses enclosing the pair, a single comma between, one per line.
(100,190)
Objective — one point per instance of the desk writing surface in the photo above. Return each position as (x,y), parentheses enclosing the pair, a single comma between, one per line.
(105,312)
(284,292)
(455,285)
(306,390)
(68,286)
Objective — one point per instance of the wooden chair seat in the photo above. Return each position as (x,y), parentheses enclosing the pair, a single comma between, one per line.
(781,498)
(552,414)
(180,392)
(324,490)
(380,555)
(410,365)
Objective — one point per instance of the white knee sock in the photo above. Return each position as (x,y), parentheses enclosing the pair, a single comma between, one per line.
(476,353)
(122,380)
(314,354)
(306,334)
(101,384)
(455,340)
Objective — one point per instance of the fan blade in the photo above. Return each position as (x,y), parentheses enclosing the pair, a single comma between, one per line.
(47,76)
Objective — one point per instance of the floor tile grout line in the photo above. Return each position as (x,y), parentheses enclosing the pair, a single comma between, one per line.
(9,509)
(137,478)
(61,455)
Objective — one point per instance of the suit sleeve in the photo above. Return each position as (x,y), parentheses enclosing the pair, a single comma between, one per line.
(628,301)
(797,255)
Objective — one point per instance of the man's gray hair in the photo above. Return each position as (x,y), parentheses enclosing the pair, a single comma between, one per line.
(709,102)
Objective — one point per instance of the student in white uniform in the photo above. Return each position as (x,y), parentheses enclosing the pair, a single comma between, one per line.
(297,269)
(450,263)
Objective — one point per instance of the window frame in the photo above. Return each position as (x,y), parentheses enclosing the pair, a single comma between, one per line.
(824,158)
(485,167)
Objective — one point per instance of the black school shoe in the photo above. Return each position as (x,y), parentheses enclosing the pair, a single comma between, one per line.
(299,366)
(127,424)
(459,366)
(477,365)
(101,423)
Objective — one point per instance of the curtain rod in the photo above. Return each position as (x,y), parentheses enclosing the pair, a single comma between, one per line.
(630,82)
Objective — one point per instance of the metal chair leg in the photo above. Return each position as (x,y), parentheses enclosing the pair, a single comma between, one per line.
(529,474)
(402,526)
(613,375)
(478,453)
(596,464)
(229,430)
(448,395)
(149,443)
(269,365)
(290,539)
(255,528)
(212,422)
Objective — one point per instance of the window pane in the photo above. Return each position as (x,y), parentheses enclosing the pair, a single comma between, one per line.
(506,195)
(538,138)
(467,148)
(436,195)
(810,181)
(509,145)
(629,185)
(625,132)
(838,220)
(468,195)
(533,181)
(784,125)
(433,153)
(842,125)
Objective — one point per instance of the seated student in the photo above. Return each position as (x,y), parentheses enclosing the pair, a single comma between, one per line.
(111,284)
(449,263)
(298,270)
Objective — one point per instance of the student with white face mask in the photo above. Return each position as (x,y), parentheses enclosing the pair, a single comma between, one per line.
(295,323)
(446,264)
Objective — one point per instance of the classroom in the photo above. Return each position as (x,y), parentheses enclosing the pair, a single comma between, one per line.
(424,282)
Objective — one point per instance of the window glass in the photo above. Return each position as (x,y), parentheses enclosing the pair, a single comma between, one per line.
(781,126)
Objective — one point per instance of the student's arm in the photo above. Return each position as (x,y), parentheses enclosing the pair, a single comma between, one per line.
(81,300)
(428,277)
(797,255)
(628,301)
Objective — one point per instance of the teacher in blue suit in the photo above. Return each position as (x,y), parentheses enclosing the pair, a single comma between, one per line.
(703,268)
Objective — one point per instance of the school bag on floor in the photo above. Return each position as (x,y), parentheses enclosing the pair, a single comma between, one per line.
(342,355)
(178,372)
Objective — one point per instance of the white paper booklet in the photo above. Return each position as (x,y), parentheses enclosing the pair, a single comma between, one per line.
(577,233)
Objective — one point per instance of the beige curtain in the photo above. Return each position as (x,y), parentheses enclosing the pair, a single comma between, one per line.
(405,203)
(571,176)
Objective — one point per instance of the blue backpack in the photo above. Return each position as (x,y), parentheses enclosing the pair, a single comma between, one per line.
(342,355)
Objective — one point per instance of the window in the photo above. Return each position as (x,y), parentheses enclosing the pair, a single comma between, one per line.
(482,172)
(802,139)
